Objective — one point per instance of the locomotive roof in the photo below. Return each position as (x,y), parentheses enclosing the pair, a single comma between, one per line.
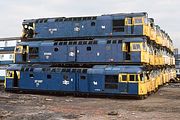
(123,15)
(97,69)
(99,41)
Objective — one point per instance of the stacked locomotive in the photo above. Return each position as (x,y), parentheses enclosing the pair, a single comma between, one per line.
(7,46)
(116,54)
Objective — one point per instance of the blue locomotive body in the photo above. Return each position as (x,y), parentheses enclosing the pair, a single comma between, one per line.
(98,79)
(81,51)
(86,27)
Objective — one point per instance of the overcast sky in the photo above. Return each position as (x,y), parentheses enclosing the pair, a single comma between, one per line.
(12,12)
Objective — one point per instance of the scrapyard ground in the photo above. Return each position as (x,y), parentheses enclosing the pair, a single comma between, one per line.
(163,105)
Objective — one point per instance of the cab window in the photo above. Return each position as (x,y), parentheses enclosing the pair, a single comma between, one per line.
(135,47)
(138,20)
(133,78)
(124,77)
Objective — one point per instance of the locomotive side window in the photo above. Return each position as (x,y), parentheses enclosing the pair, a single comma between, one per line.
(31,75)
(83,77)
(56,49)
(33,50)
(88,48)
(111,81)
(93,23)
(48,76)
(118,25)
(118,22)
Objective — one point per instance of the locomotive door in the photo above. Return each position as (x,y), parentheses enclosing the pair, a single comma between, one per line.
(82,83)
(123,84)
(68,82)
(126,51)
(16,78)
(12,79)
(71,54)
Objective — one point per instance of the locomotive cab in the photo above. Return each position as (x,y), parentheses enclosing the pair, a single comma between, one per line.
(28,30)
(12,79)
(21,53)
(133,83)
(135,52)
(141,26)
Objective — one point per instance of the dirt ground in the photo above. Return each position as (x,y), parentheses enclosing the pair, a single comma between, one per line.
(163,105)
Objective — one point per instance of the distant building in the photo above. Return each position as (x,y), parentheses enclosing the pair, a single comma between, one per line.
(177,61)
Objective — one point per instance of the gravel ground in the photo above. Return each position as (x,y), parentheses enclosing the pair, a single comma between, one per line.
(163,105)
